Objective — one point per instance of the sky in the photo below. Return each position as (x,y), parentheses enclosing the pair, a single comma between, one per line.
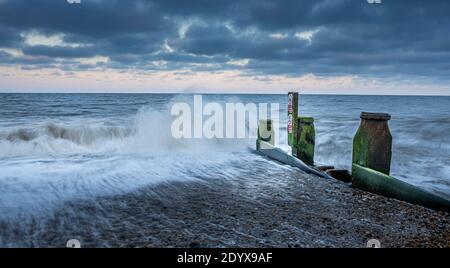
(233,46)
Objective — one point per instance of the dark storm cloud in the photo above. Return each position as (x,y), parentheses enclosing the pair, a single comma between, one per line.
(59,52)
(9,37)
(93,18)
(350,36)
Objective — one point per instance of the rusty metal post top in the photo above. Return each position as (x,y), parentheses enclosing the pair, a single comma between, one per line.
(375,116)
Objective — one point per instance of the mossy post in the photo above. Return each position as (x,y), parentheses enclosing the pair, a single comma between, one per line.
(292,118)
(265,132)
(372,145)
(306,140)
(377,182)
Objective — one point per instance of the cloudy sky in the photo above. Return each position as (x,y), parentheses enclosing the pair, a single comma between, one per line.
(315,46)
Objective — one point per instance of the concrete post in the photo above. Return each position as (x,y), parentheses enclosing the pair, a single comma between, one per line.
(372,144)
(306,140)
(265,132)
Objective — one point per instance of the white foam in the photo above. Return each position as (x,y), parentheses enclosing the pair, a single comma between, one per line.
(62,162)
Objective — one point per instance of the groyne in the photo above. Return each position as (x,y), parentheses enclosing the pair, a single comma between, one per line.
(371,161)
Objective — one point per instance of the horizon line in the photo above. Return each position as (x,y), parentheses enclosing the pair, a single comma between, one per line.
(222,93)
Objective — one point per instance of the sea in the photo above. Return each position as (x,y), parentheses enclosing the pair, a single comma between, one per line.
(55,148)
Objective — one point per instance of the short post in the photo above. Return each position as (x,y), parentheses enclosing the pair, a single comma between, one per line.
(292,118)
(306,140)
(372,144)
(266,132)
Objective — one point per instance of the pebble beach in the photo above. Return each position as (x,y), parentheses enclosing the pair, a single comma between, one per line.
(294,210)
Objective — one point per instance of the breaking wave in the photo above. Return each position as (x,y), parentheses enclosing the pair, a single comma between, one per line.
(149,132)
(44,165)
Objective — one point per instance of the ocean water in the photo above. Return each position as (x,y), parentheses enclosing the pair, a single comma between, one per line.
(60,147)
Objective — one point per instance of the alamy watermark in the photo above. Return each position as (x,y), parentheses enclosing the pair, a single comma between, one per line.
(214,121)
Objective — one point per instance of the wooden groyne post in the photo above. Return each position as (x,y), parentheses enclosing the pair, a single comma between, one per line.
(306,140)
(292,118)
(266,133)
(372,144)
(301,131)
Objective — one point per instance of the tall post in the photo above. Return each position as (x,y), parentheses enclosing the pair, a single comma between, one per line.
(372,145)
(292,119)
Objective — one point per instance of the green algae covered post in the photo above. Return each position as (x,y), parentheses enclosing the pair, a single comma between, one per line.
(372,145)
(306,140)
(292,118)
(377,182)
